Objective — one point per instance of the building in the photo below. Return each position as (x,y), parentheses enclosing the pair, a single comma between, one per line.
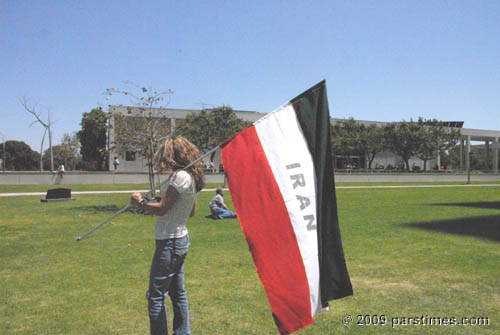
(132,162)
(490,139)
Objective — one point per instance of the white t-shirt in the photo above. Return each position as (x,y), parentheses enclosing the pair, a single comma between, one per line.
(216,201)
(173,224)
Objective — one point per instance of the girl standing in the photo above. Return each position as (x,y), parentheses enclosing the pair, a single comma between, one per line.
(177,204)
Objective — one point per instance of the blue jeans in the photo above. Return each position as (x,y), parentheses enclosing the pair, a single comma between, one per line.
(167,277)
(222,213)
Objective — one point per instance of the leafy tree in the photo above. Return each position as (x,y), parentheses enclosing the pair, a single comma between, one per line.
(436,137)
(59,153)
(92,137)
(423,138)
(446,160)
(429,144)
(71,154)
(65,153)
(449,138)
(404,139)
(373,142)
(477,158)
(347,138)
(19,156)
(351,138)
(210,127)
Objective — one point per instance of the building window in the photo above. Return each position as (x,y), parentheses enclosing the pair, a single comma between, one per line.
(130,156)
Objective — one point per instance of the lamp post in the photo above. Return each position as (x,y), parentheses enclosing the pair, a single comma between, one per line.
(467,161)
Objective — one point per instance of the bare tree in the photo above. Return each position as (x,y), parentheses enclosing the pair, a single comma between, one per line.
(142,129)
(46,124)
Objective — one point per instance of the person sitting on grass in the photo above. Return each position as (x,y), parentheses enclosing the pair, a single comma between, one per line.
(218,207)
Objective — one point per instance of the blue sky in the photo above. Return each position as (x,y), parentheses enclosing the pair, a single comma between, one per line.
(382,60)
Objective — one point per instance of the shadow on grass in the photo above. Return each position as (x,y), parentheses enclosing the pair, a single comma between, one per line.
(485,204)
(485,227)
(96,209)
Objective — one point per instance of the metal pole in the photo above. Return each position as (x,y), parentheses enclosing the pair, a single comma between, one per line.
(467,160)
(81,237)
(495,146)
(461,154)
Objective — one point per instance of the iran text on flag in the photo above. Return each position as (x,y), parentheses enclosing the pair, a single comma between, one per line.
(280,176)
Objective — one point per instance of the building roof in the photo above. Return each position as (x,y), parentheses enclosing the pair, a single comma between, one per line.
(252,116)
(176,113)
(475,134)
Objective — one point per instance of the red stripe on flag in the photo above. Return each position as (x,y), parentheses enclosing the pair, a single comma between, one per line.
(268,230)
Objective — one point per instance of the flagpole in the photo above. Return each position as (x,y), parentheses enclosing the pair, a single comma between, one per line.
(81,237)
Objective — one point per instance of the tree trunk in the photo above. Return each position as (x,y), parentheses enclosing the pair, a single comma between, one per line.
(407,162)
(41,150)
(51,153)
(370,161)
(151,178)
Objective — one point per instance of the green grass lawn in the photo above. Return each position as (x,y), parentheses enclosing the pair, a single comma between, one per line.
(431,252)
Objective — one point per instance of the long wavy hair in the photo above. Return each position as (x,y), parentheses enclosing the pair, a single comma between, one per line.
(176,153)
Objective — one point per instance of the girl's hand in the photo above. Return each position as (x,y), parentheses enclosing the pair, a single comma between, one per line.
(135,199)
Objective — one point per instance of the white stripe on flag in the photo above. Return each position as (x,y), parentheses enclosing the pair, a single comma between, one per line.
(286,149)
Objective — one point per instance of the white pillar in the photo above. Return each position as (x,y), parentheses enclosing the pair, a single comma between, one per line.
(462,154)
(487,154)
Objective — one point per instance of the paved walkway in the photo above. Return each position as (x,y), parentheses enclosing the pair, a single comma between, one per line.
(213,189)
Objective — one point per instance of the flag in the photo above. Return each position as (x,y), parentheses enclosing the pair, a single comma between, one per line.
(280,175)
